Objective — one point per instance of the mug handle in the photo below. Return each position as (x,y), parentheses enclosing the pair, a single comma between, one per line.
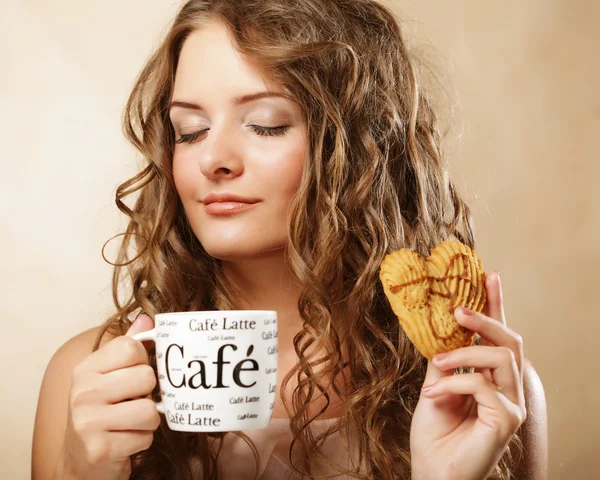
(150,335)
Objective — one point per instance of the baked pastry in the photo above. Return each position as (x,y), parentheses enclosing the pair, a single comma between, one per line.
(424,293)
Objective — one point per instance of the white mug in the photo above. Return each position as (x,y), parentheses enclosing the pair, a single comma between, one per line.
(217,370)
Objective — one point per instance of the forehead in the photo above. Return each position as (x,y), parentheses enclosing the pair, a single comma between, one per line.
(210,62)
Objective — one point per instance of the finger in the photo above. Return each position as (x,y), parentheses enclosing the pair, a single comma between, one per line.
(494,332)
(142,323)
(494,307)
(127,383)
(493,304)
(138,414)
(119,353)
(484,392)
(121,445)
(433,374)
(486,373)
(493,408)
(499,360)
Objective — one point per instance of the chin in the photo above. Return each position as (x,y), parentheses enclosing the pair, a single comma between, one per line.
(243,250)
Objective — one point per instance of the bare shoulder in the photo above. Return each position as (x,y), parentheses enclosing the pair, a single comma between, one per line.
(52,407)
(71,353)
(79,346)
(534,431)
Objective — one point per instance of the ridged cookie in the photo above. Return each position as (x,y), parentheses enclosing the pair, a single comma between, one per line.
(424,293)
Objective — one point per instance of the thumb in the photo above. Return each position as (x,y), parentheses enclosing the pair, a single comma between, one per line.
(142,323)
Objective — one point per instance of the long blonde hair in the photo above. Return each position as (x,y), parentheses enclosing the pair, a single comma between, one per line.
(376,183)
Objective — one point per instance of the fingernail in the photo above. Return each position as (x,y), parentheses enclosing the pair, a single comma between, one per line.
(440,356)
(497,273)
(136,320)
(427,388)
(465,311)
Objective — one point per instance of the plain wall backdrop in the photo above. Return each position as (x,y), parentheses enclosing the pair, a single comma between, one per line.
(524,154)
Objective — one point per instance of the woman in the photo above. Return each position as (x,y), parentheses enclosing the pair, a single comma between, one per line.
(289,200)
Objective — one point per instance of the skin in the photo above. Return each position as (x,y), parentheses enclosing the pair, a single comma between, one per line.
(85,429)
(463,422)
(231,156)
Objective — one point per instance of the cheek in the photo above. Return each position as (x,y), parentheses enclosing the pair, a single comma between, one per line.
(289,176)
(182,176)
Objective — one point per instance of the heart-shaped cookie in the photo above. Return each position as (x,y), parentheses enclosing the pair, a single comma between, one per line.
(424,293)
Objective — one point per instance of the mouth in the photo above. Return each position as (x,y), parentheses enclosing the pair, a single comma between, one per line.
(228,207)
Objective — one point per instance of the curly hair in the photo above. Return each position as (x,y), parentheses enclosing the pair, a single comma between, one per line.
(376,182)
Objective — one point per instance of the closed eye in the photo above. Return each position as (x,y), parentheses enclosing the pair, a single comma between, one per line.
(262,131)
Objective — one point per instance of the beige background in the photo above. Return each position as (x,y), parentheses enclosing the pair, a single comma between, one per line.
(526,74)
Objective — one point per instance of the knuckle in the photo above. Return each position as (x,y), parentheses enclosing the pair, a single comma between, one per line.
(516,419)
(79,371)
(84,424)
(98,450)
(115,344)
(515,423)
(147,440)
(82,396)
(148,412)
(518,339)
(479,379)
(509,355)
(133,351)
(148,377)
(154,420)
(81,425)
(522,415)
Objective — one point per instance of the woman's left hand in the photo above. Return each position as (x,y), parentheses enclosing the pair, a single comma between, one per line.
(462,423)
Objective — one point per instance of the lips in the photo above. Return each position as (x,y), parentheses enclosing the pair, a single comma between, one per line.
(227,204)
(227,198)
(227,208)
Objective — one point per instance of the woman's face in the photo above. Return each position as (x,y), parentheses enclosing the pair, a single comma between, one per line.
(225,149)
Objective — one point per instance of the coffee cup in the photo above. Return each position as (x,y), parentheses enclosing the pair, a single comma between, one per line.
(217,370)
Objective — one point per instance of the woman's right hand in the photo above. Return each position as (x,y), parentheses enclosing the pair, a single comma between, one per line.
(109,415)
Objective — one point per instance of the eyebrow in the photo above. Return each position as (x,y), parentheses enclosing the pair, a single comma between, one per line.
(239,100)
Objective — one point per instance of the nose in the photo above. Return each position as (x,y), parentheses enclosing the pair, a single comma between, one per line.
(220,157)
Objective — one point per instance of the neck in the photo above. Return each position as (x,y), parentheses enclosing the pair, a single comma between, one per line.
(265,283)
